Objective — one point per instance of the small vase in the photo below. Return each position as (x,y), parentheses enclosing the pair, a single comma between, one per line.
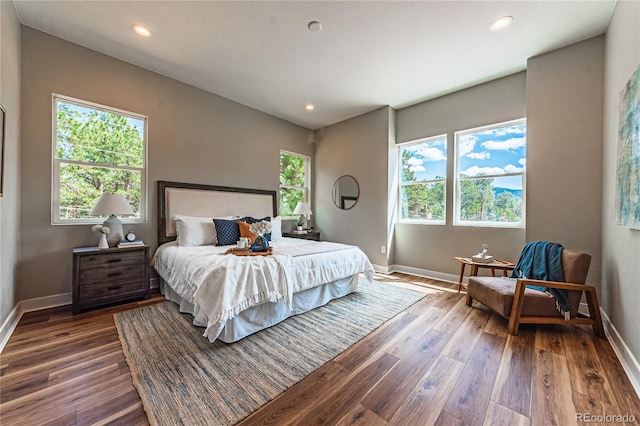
(260,244)
(103,244)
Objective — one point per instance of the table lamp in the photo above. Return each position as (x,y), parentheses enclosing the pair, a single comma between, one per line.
(111,205)
(303,209)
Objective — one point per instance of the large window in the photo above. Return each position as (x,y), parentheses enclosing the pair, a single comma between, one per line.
(490,175)
(294,181)
(96,149)
(423,171)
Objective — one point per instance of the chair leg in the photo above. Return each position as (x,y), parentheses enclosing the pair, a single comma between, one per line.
(516,308)
(594,312)
(469,300)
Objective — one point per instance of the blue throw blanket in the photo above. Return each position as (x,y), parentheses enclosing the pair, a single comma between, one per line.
(541,260)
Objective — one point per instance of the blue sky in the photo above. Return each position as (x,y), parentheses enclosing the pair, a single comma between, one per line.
(493,151)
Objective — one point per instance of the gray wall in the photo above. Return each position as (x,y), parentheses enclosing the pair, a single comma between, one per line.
(10,202)
(194,136)
(432,247)
(564,148)
(620,289)
(356,147)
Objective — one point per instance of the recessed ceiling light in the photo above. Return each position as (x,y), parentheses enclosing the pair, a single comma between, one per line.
(141,30)
(309,107)
(501,23)
(314,26)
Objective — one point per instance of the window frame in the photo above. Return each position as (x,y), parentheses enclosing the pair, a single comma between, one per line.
(56,162)
(457,179)
(400,147)
(307,180)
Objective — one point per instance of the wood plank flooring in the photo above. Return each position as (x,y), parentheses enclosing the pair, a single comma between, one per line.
(437,363)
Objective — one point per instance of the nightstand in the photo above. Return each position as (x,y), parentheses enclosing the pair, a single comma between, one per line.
(102,277)
(306,236)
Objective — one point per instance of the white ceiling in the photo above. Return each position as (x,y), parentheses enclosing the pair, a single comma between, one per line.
(368,54)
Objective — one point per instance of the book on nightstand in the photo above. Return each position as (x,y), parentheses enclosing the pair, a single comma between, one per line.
(479,259)
(133,243)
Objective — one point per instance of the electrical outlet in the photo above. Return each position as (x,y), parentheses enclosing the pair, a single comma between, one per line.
(383,249)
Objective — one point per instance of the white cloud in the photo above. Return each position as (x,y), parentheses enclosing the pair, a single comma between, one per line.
(431,153)
(513,143)
(475,171)
(480,155)
(466,144)
(417,169)
(522,161)
(510,168)
(503,131)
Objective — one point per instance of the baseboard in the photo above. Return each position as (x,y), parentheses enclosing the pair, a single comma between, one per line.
(425,273)
(9,325)
(30,305)
(629,362)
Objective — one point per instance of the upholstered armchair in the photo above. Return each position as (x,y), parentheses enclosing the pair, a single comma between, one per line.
(513,300)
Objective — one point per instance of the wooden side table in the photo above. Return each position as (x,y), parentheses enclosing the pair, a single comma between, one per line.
(501,265)
(305,236)
(101,277)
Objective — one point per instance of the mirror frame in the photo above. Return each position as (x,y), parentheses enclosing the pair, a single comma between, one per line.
(341,205)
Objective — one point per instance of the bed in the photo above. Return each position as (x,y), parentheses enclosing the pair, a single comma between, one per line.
(235,296)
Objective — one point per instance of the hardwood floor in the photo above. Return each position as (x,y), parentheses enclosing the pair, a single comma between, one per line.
(438,362)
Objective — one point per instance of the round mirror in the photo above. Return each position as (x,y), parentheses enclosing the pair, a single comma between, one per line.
(346,192)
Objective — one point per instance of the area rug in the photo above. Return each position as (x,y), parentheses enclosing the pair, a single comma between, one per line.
(184,379)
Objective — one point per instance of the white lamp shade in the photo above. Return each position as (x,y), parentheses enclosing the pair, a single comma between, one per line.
(303,208)
(112,204)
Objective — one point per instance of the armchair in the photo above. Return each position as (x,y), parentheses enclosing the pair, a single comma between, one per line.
(513,300)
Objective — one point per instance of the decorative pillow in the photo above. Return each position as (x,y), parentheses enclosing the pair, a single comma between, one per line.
(228,231)
(194,231)
(245,232)
(250,220)
(276,228)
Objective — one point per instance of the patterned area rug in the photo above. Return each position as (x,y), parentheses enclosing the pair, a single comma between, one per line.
(184,379)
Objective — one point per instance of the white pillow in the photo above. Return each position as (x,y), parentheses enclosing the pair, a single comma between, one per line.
(276,228)
(195,231)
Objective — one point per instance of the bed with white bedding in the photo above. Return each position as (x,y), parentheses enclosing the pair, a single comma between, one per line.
(234,296)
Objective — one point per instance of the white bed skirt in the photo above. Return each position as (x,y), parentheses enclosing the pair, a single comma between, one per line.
(267,314)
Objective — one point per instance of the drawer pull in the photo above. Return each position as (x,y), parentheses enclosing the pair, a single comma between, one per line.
(114,260)
(114,287)
(114,274)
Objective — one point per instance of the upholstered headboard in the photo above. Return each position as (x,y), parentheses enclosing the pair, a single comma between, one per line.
(191,199)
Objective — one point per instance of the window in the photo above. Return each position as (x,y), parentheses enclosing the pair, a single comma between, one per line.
(490,175)
(96,149)
(423,171)
(294,181)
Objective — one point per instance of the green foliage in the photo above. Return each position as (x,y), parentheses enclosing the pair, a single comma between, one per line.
(479,203)
(98,152)
(293,181)
(421,201)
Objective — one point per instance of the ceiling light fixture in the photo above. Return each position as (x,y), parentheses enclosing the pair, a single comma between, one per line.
(314,26)
(501,23)
(309,107)
(141,30)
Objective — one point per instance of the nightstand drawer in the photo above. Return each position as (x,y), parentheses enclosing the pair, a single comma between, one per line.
(121,272)
(112,260)
(111,289)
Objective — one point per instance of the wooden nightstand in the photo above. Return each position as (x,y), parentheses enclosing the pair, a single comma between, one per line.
(306,236)
(101,277)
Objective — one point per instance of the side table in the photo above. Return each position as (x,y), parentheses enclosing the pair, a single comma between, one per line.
(305,235)
(501,265)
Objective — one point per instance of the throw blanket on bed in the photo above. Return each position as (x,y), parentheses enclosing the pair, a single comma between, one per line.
(227,286)
(542,260)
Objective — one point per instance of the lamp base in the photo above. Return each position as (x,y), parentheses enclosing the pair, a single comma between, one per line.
(117,234)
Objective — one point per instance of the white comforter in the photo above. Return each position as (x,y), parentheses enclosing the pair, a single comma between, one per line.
(221,286)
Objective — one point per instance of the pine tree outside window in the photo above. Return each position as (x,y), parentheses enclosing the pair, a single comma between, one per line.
(96,149)
(490,175)
(423,180)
